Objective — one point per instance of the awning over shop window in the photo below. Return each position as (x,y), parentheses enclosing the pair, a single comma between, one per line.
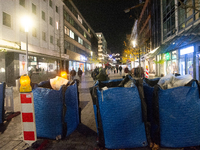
(187,37)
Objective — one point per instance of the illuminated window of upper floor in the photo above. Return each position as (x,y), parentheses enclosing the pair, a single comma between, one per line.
(71,34)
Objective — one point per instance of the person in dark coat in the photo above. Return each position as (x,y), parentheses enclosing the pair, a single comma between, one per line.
(72,73)
(102,76)
(120,70)
(80,72)
(126,70)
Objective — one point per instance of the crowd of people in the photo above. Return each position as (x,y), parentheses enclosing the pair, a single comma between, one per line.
(102,74)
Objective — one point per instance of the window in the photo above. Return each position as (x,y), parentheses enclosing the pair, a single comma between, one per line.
(22,3)
(57,25)
(80,40)
(43,15)
(57,9)
(44,36)
(66,30)
(71,34)
(6,19)
(33,8)
(34,32)
(85,35)
(50,3)
(50,21)
(51,39)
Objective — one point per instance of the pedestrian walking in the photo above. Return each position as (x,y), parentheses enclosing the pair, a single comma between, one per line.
(120,70)
(117,68)
(80,72)
(126,71)
(72,74)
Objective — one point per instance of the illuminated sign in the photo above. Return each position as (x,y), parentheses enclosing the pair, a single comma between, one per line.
(167,56)
(83,58)
(9,44)
(187,50)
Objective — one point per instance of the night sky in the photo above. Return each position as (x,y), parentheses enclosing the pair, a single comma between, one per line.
(108,17)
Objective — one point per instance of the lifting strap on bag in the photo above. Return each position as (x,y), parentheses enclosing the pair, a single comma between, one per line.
(93,92)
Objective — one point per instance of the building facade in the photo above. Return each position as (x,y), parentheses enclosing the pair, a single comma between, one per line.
(44,38)
(79,38)
(102,47)
(58,39)
(180,38)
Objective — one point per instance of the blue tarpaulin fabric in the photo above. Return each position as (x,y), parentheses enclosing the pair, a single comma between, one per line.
(121,116)
(2,95)
(48,106)
(179,116)
(94,106)
(72,112)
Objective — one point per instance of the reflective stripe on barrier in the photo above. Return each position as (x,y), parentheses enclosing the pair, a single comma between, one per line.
(147,72)
(28,118)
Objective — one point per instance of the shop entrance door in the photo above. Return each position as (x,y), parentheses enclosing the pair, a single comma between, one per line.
(182,65)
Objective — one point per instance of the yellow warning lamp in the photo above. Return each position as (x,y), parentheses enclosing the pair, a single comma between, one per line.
(63,74)
(25,84)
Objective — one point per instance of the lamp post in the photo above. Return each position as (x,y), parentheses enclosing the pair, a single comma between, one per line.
(26,23)
(134,45)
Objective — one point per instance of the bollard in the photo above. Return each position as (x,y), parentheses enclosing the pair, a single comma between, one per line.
(27,111)
(147,72)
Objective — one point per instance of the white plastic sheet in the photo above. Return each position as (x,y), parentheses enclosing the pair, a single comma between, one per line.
(170,81)
(57,82)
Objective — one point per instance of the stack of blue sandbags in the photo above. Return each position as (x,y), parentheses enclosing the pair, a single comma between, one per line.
(2,97)
(118,109)
(56,111)
(174,114)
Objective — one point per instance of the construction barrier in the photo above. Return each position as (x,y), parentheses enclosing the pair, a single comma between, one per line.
(28,117)
(147,72)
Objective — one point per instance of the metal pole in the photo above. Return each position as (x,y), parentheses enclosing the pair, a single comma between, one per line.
(27,51)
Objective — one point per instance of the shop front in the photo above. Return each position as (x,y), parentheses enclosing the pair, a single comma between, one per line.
(186,61)
(76,65)
(171,62)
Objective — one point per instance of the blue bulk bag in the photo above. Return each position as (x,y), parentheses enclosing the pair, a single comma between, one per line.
(56,111)
(48,105)
(120,116)
(94,96)
(2,96)
(179,115)
(72,108)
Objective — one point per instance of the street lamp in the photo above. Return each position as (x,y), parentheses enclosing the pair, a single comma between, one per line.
(26,23)
(134,45)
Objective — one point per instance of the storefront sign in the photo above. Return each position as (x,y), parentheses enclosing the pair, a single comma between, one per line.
(22,64)
(83,58)
(187,50)
(167,56)
(9,44)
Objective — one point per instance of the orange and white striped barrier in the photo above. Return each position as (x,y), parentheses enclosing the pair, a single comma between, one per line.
(28,118)
(147,72)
